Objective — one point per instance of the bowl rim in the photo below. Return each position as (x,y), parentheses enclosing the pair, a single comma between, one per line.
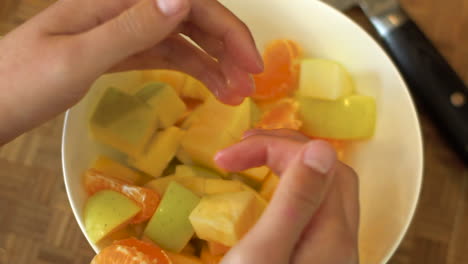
(419,146)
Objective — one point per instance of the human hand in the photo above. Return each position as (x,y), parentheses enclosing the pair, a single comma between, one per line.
(48,64)
(313,216)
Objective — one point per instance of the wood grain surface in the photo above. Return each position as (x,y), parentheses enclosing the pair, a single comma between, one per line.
(37,225)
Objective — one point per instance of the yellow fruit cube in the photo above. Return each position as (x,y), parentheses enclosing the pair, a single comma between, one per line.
(112,168)
(123,122)
(128,82)
(160,152)
(165,102)
(195,89)
(175,79)
(192,170)
(269,186)
(324,79)
(258,174)
(225,218)
(183,259)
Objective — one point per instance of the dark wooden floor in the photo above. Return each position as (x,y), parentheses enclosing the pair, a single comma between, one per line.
(37,225)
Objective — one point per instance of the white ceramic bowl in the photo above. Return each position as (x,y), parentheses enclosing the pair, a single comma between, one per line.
(389,165)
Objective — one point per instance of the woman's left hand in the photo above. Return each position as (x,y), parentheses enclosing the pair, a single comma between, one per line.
(49,63)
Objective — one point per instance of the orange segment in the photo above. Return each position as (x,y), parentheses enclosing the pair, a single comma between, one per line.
(284,114)
(146,198)
(131,251)
(280,78)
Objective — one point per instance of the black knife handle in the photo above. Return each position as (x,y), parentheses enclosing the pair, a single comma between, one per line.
(432,81)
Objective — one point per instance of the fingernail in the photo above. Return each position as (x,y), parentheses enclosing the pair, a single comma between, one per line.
(171,7)
(319,156)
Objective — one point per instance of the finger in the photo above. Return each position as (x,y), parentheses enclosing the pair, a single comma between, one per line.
(63,18)
(286,133)
(135,30)
(212,17)
(176,53)
(335,227)
(259,150)
(239,81)
(301,190)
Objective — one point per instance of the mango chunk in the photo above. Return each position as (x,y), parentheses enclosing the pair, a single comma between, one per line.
(195,89)
(258,174)
(226,217)
(107,211)
(324,79)
(209,134)
(269,186)
(349,118)
(112,168)
(160,152)
(165,102)
(170,227)
(123,122)
(192,170)
(183,259)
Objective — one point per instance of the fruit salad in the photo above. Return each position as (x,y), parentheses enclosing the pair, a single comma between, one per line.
(167,201)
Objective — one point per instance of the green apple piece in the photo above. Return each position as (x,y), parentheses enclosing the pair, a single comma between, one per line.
(170,227)
(123,122)
(160,152)
(225,218)
(324,79)
(193,170)
(107,211)
(352,117)
(208,135)
(164,99)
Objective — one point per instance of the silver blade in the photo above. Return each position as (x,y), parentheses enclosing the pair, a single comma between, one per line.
(341,4)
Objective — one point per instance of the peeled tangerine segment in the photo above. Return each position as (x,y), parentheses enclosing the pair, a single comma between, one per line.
(170,227)
(324,79)
(107,211)
(216,127)
(160,152)
(123,122)
(351,117)
(165,102)
(225,218)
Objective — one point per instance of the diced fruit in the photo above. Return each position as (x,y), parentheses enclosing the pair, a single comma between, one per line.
(131,251)
(183,259)
(195,89)
(351,117)
(123,233)
(107,211)
(257,174)
(160,152)
(189,249)
(283,114)
(123,122)
(112,168)
(324,79)
(127,82)
(209,135)
(225,218)
(199,185)
(165,102)
(192,170)
(217,249)
(269,186)
(281,73)
(208,257)
(147,199)
(170,227)
(255,113)
(183,157)
(175,79)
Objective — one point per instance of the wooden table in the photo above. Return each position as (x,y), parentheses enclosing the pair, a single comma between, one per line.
(37,225)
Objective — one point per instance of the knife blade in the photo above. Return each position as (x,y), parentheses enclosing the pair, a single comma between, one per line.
(430,78)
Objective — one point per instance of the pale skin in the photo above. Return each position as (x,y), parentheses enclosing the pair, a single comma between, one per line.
(48,64)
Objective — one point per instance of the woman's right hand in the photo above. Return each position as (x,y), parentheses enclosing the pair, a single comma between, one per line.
(313,216)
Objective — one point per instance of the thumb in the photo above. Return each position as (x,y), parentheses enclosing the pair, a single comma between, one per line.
(301,190)
(136,29)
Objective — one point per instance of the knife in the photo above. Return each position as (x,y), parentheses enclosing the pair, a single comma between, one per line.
(430,78)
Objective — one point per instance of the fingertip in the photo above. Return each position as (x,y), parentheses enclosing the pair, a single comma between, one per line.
(320,156)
